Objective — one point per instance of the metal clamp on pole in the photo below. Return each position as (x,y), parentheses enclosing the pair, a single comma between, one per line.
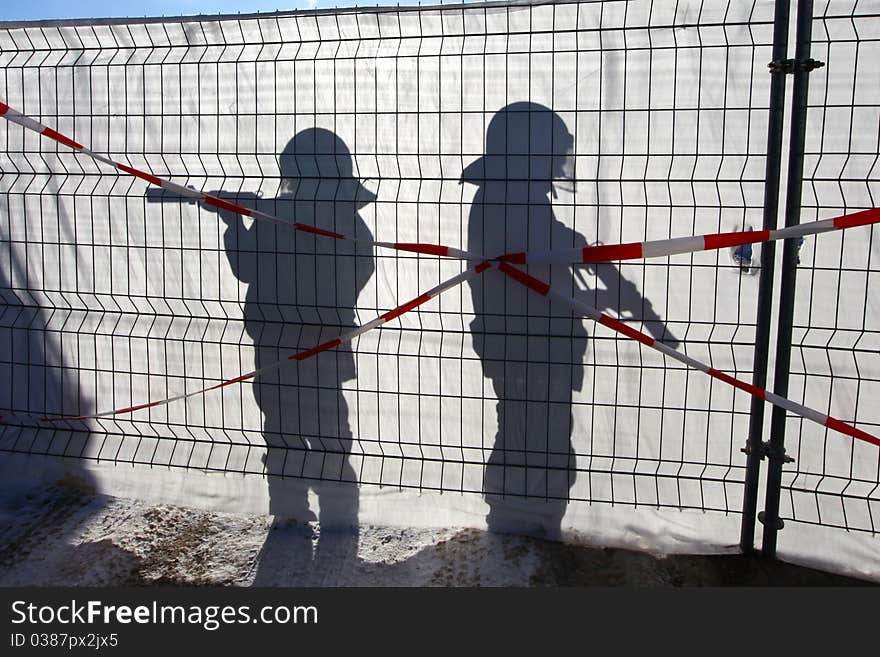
(767,450)
(791,66)
(777,523)
(775,453)
(759,450)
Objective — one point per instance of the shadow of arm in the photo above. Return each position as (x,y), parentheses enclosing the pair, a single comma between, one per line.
(622,296)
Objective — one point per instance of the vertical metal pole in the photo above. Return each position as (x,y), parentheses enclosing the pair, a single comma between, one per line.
(754,446)
(776,452)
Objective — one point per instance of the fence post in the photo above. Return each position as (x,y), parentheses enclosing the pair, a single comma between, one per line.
(754,448)
(800,67)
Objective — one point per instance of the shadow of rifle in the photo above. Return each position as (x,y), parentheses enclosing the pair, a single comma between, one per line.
(621,295)
(156,195)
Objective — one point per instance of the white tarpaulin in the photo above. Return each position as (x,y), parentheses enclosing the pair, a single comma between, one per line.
(490,128)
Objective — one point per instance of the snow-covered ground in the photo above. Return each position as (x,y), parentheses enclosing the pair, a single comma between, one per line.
(53,535)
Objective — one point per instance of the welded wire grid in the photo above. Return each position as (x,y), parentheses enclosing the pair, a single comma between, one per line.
(836,343)
(111,300)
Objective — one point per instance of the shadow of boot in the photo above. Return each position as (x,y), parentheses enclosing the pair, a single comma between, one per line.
(286,556)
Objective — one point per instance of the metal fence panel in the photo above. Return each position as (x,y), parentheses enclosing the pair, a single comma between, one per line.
(835,363)
(113,300)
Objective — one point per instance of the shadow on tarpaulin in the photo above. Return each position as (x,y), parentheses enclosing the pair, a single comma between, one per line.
(532,349)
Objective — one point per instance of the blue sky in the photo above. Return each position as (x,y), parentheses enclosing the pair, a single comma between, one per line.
(44,9)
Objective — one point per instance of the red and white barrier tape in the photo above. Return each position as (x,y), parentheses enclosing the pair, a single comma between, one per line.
(680,245)
(587,254)
(541,288)
(299,356)
(585,310)
(15,116)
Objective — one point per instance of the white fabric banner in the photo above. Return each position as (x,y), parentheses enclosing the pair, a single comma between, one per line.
(487,128)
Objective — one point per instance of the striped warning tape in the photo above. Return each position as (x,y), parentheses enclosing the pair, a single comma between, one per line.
(15,116)
(541,288)
(585,310)
(299,356)
(587,254)
(692,244)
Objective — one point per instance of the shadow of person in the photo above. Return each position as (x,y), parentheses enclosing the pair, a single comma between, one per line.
(301,291)
(46,491)
(531,350)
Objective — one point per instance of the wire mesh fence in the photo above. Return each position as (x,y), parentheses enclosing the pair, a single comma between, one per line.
(836,346)
(443,125)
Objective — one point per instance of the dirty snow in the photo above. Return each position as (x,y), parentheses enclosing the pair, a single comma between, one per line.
(53,535)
